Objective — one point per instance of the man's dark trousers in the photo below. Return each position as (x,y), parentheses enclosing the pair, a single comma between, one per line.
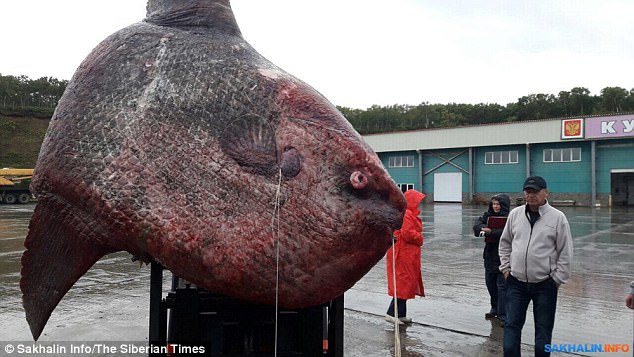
(518,295)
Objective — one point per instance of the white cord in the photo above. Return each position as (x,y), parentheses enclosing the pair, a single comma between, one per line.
(276,238)
(397,337)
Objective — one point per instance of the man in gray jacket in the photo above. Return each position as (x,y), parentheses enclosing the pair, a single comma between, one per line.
(536,256)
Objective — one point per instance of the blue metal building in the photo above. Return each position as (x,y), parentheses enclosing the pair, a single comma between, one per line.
(586,161)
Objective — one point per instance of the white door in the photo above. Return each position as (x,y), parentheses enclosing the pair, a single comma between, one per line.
(448,187)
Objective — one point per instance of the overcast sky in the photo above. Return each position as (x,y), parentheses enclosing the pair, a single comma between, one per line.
(363,52)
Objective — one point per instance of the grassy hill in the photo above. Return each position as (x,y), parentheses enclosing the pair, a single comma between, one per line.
(20,140)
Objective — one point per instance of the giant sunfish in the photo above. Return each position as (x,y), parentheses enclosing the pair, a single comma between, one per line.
(179,143)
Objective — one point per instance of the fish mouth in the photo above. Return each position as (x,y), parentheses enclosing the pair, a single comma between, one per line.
(379,216)
(383,220)
(384,204)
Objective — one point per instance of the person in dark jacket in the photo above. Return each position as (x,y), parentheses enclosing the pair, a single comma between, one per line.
(500,205)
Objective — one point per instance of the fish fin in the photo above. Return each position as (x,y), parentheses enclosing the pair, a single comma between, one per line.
(250,141)
(60,247)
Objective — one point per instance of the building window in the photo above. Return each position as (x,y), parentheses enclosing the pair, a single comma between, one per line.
(501,157)
(405,186)
(401,161)
(562,155)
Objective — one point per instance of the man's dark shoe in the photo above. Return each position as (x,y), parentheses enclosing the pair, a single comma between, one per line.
(491,314)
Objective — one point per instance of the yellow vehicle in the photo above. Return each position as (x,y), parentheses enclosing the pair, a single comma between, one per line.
(14,185)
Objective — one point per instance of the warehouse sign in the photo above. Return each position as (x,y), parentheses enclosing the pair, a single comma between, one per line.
(617,126)
(572,129)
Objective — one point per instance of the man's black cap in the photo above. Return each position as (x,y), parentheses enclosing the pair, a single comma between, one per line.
(535,182)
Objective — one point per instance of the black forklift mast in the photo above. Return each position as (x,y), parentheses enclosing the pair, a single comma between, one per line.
(190,320)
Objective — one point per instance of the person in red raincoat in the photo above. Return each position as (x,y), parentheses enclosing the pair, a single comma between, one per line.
(409,240)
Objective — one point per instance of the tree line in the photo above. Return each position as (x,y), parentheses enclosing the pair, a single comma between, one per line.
(22,96)
(576,102)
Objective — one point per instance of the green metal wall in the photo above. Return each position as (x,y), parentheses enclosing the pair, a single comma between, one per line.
(564,177)
(434,161)
(402,174)
(499,177)
(612,154)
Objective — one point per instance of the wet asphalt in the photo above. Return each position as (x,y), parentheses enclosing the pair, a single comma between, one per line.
(111,302)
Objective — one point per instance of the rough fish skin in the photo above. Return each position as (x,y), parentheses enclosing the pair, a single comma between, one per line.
(177,142)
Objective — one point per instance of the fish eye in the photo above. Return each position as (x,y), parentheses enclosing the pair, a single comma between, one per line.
(291,163)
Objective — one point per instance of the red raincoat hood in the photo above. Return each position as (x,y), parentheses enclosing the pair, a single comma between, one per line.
(414,199)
